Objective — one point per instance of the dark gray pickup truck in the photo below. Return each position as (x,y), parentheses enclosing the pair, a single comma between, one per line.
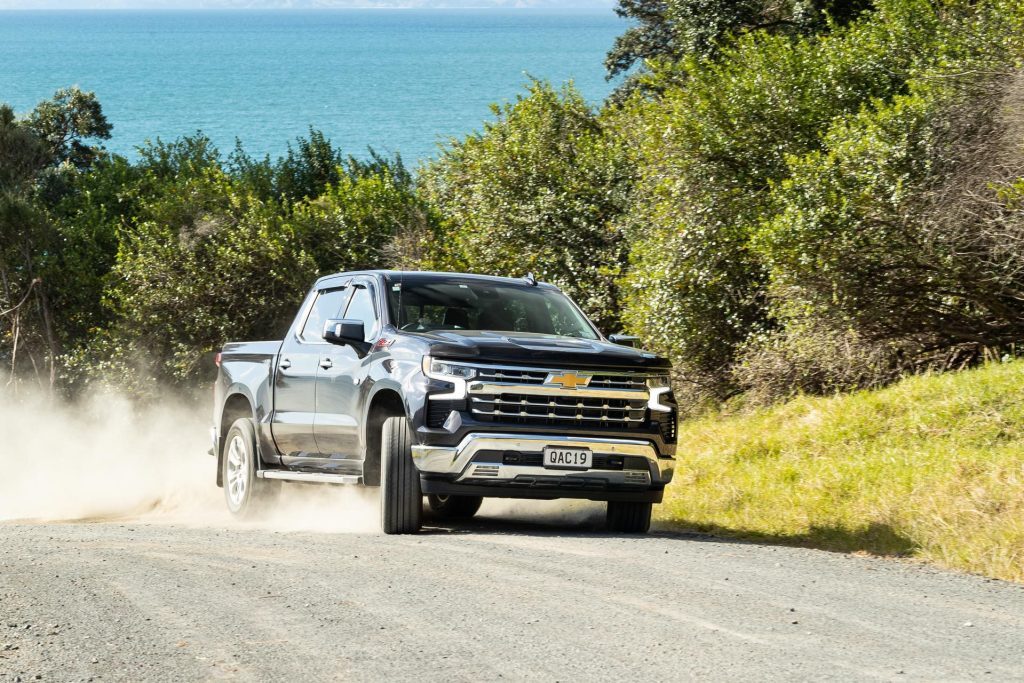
(454,387)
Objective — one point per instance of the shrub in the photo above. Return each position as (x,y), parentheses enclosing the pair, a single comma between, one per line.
(537,191)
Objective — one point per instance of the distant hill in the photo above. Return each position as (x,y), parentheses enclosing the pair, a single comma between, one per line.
(307,4)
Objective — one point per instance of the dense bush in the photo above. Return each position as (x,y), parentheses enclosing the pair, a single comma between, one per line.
(907,227)
(710,156)
(537,191)
(132,272)
(41,158)
(236,258)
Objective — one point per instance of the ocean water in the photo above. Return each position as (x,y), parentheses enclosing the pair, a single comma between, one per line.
(399,81)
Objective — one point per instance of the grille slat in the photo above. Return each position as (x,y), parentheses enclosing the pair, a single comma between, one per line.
(537,376)
(617,382)
(511,376)
(522,408)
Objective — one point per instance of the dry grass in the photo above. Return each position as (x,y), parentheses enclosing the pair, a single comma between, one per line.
(931,468)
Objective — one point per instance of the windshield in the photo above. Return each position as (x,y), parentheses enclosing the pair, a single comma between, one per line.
(426,306)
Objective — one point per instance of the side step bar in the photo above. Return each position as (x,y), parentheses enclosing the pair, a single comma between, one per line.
(319,477)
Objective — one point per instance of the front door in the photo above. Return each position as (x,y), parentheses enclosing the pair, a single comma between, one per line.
(295,380)
(341,382)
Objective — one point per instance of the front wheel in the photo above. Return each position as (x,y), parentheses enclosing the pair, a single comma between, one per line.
(244,493)
(454,507)
(401,501)
(629,518)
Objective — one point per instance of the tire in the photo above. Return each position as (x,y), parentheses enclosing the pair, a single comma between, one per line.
(629,518)
(401,501)
(454,507)
(244,493)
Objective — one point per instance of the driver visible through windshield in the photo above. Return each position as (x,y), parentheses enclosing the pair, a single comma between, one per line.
(428,306)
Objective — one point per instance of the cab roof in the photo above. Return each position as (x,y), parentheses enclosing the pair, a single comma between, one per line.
(416,276)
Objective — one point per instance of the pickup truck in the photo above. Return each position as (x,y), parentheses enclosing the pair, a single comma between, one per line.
(450,386)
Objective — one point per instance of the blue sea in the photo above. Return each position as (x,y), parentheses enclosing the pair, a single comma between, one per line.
(399,81)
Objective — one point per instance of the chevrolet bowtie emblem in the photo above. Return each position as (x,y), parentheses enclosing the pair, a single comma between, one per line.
(569,380)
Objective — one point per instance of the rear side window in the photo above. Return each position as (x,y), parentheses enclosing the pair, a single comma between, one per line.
(329,304)
(361,308)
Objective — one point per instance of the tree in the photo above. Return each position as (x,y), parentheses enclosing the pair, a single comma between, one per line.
(710,155)
(37,157)
(537,191)
(209,252)
(66,122)
(670,31)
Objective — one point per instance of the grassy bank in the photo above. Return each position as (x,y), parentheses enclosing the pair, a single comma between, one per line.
(931,468)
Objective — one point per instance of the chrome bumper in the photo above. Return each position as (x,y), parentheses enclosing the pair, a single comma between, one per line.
(458,460)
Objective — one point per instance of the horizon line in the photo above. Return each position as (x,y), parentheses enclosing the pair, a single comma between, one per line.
(596,10)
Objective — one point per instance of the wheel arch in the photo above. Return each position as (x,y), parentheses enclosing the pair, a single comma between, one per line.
(386,401)
(236,405)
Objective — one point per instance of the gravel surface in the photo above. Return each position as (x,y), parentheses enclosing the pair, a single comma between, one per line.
(491,599)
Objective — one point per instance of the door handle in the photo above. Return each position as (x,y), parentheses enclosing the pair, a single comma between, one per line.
(326,363)
(285,364)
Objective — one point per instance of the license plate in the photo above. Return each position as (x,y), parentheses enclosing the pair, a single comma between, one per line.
(568,458)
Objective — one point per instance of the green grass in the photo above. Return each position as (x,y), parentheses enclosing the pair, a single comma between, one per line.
(930,468)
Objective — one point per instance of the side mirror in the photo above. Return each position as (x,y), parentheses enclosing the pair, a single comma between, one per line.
(623,339)
(347,333)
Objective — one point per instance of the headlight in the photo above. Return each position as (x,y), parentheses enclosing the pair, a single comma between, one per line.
(439,369)
(660,388)
(448,372)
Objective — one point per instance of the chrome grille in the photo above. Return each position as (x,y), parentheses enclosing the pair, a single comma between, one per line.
(559,409)
(511,375)
(618,382)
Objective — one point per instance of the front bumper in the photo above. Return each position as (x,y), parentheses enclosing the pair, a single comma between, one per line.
(495,464)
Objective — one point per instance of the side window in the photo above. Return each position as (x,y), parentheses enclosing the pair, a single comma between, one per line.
(361,308)
(328,304)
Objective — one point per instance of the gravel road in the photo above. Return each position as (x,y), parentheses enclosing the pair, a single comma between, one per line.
(491,599)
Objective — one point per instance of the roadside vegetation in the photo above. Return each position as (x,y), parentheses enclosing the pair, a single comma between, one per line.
(930,468)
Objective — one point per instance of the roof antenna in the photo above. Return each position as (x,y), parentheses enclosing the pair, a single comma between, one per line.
(530,280)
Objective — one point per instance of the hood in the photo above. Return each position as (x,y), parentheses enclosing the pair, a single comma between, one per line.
(541,350)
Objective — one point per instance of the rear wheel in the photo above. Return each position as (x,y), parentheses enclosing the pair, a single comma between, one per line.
(629,518)
(244,493)
(454,507)
(401,501)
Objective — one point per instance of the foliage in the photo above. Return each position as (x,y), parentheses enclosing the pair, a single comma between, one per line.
(906,226)
(66,121)
(717,159)
(537,191)
(807,356)
(709,156)
(207,238)
(930,468)
(667,31)
(238,272)
(40,157)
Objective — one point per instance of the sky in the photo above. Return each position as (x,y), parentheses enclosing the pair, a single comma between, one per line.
(301,4)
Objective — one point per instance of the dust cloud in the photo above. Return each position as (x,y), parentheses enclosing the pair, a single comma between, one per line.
(107,459)
(556,513)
